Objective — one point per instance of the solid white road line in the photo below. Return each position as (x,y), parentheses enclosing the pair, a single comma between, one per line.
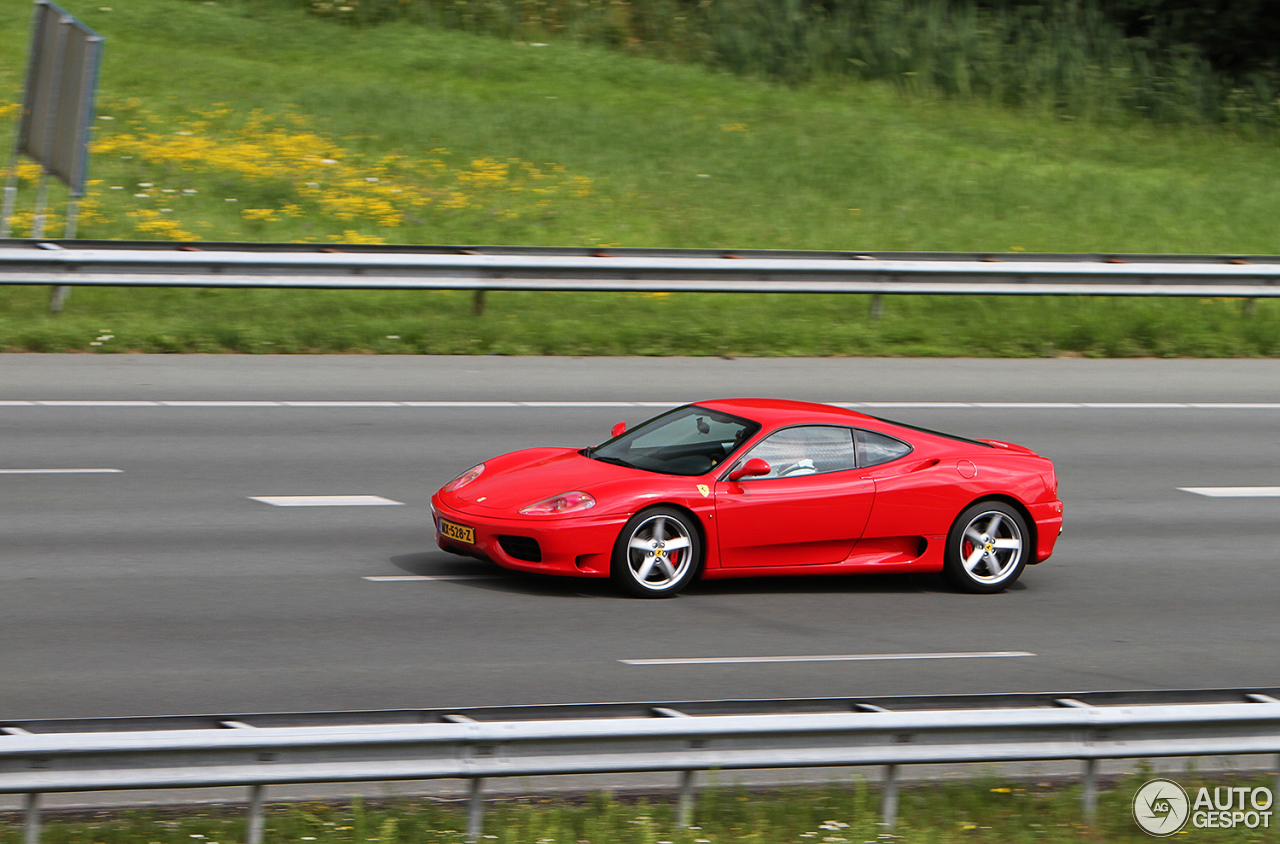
(460,403)
(400,578)
(906,404)
(325,500)
(1011,405)
(1233,491)
(220,403)
(735,660)
(340,403)
(577,404)
(96,403)
(1019,405)
(60,471)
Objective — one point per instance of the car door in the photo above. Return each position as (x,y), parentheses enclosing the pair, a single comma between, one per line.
(809,510)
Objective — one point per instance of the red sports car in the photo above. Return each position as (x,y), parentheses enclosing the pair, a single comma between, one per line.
(750,487)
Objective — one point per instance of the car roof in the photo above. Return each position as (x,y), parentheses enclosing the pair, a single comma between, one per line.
(778,413)
(774,412)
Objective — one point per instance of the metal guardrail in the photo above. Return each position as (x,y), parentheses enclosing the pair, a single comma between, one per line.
(634,709)
(665,737)
(229,265)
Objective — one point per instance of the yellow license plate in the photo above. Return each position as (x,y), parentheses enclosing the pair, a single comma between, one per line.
(459,532)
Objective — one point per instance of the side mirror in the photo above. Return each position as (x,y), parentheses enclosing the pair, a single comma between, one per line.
(753,468)
(619,429)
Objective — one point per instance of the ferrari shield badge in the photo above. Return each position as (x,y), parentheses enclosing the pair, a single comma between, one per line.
(704,489)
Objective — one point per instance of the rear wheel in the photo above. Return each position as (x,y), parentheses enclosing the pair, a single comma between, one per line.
(657,553)
(986,548)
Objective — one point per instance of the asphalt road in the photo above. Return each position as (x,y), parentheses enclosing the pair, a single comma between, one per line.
(164,588)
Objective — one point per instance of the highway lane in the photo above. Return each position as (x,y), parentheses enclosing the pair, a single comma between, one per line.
(166,589)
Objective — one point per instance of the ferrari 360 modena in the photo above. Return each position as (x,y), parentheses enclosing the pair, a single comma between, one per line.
(758,487)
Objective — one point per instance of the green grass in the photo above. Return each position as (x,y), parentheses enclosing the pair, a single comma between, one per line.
(677,156)
(630,324)
(973,812)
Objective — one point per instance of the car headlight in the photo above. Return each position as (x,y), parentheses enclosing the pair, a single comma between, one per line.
(463,479)
(565,502)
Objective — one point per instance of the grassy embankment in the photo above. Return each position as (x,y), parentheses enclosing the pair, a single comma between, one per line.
(241,121)
(981,812)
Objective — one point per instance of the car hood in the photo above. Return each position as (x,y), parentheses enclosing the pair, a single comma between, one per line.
(518,479)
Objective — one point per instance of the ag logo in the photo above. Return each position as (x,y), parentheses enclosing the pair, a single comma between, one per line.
(1161,808)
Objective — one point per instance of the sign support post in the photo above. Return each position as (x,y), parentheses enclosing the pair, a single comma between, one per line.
(57,118)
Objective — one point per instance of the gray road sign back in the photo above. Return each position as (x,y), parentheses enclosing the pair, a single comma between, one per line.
(58,102)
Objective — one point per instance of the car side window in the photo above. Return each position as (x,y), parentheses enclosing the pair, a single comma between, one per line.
(874,449)
(805,450)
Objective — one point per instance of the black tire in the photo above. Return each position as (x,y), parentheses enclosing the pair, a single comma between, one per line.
(644,562)
(987,548)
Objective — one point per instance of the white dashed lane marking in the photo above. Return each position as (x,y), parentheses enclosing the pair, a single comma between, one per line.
(736,660)
(326,500)
(60,471)
(1233,491)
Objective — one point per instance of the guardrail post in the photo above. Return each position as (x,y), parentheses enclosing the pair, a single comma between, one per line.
(475,809)
(10,194)
(31,819)
(684,806)
(477,304)
(1090,791)
(889,798)
(256,821)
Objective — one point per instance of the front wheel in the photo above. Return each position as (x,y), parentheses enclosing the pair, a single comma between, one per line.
(657,553)
(986,548)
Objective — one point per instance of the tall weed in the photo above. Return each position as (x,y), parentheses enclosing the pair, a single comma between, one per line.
(1064,58)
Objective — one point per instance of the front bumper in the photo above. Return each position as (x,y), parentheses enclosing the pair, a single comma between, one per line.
(577,545)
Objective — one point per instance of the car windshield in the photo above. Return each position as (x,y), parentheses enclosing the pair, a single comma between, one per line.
(689,440)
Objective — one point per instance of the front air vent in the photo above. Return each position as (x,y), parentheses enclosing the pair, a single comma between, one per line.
(521,548)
